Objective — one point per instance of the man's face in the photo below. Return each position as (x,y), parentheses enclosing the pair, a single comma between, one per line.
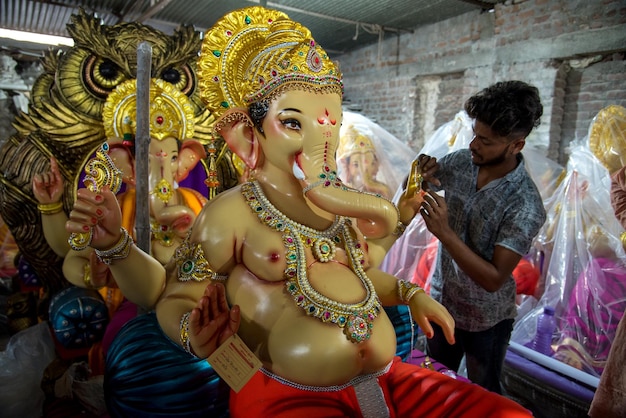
(488,148)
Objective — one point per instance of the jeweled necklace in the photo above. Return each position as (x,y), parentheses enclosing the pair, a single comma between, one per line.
(356,319)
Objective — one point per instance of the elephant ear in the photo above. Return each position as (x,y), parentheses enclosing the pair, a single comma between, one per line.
(237,129)
(190,154)
(124,160)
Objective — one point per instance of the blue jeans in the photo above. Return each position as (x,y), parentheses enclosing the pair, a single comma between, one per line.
(484,352)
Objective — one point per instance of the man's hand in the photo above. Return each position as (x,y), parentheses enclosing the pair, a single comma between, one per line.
(211,322)
(434,210)
(428,166)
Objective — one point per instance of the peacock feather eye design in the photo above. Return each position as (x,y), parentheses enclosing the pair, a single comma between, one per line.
(65,120)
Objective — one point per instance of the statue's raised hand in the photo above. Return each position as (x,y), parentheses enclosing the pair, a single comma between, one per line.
(100,212)
(48,186)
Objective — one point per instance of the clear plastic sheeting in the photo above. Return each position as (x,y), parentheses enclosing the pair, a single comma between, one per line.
(580,255)
(414,253)
(369,158)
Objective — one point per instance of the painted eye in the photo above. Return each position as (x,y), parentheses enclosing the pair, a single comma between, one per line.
(85,80)
(291,124)
(181,77)
(103,76)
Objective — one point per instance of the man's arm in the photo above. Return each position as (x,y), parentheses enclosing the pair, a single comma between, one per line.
(490,275)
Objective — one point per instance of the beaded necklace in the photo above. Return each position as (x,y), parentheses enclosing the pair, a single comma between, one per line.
(356,319)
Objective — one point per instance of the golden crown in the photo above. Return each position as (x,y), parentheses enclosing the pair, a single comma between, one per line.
(171,112)
(255,53)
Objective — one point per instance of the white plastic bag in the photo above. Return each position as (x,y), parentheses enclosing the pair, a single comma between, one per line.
(22,365)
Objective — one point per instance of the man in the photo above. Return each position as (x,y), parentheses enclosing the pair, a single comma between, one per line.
(491,212)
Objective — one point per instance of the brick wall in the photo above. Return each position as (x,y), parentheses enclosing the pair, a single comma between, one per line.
(588,91)
(572,50)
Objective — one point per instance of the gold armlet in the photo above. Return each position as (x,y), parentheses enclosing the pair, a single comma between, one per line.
(400,228)
(119,252)
(50,208)
(184,333)
(406,290)
(87,276)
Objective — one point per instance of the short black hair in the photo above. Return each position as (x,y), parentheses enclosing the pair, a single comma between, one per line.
(510,108)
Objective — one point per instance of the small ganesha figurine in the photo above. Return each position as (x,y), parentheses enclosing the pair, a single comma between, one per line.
(360,162)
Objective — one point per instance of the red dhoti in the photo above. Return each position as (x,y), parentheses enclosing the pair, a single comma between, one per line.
(401,391)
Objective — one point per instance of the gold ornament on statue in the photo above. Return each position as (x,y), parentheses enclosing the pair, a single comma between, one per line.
(266,50)
(414,183)
(356,319)
(607,137)
(171,112)
(99,172)
(163,191)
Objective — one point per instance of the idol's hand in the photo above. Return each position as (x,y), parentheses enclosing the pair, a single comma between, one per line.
(48,187)
(425,309)
(211,322)
(100,212)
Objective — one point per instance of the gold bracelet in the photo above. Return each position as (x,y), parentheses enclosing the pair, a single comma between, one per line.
(50,208)
(622,237)
(120,251)
(184,333)
(400,228)
(406,290)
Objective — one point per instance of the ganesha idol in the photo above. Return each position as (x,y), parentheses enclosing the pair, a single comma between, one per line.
(360,162)
(287,260)
(173,153)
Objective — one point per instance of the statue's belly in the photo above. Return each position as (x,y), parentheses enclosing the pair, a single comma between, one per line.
(301,348)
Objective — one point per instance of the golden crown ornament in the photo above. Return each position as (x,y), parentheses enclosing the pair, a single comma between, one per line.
(254,54)
(171,111)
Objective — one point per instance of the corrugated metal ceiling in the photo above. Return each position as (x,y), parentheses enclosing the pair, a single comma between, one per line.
(334,23)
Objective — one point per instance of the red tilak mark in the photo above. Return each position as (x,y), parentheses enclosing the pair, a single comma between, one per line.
(323,120)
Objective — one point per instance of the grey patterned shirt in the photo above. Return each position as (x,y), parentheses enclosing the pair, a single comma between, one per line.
(508,212)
